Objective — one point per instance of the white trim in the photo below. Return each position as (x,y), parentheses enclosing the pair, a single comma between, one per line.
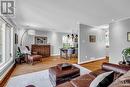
(55,54)
(4,66)
(78,28)
(120,19)
(91,60)
(3,43)
(12,43)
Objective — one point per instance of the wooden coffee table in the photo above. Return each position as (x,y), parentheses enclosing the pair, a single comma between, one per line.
(58,76)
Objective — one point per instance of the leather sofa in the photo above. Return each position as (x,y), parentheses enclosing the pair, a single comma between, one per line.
(86,79)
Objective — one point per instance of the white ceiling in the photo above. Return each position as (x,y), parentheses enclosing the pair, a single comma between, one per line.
(63,15)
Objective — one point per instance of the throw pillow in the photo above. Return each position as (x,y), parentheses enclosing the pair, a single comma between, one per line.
(99,78)
(107,80)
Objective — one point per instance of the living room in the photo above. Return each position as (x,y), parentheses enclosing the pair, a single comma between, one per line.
(64,43)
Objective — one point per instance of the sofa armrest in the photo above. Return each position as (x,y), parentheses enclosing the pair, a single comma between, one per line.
(114,67)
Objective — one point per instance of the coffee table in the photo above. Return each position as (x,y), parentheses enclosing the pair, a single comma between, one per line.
(58,76)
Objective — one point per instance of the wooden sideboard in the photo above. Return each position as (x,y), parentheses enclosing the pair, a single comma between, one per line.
(43,50)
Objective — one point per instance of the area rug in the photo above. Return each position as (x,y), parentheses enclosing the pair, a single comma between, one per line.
(38,79)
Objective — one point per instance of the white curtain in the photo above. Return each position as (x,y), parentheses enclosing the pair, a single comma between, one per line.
(8,43)
(0,42)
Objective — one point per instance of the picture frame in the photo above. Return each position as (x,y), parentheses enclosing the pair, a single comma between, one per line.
(128,36)
(40,40)
(92,38)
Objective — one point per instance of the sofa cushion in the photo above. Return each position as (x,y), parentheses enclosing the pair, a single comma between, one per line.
(99,78)
(66,84)
(83,80)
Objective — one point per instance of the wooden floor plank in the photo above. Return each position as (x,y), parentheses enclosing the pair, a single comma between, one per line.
(52,61)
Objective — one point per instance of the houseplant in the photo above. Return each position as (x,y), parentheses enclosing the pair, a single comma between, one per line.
(126,55)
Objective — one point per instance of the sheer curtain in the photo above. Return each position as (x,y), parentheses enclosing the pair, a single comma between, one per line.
(6,43)
(0,42)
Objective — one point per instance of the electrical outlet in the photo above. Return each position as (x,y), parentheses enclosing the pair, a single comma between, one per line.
(86,57)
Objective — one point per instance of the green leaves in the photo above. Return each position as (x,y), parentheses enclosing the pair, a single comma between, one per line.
(126,52)
(18,54)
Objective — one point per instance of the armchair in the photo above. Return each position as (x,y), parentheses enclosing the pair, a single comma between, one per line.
(32,53)
(33,56)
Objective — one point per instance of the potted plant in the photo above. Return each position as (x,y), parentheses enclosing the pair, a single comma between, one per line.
(19,54)
(126,55)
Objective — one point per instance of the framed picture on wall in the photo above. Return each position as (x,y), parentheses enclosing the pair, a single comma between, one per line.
(92,38)
(128,36)
(40,40)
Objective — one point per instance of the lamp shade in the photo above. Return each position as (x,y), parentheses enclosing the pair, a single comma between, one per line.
(31,32)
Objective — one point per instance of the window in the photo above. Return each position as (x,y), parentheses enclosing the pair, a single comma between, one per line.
(0,41)
(6,42)
(70,41)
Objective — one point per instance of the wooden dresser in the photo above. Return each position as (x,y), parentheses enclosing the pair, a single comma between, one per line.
(43,50)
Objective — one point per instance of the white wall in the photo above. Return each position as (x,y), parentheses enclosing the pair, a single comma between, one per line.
(28,39)
(54,39)
(118,39)
(91,50)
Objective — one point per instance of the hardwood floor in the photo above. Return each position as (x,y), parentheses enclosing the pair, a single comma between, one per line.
(95,64)
(52,61)
(45,64)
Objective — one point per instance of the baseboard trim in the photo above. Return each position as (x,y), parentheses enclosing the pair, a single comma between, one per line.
(55,54)
(7,76)
(88,61)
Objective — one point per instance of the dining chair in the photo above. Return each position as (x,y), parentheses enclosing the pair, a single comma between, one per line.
(76,52)
(70,51)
